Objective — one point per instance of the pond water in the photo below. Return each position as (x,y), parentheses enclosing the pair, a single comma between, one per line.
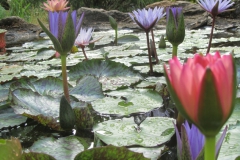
(126,90)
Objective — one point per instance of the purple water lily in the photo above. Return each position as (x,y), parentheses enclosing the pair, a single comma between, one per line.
(214,7)
(209,5)
(57,21)
(194,142)
(176,12)
(147,18)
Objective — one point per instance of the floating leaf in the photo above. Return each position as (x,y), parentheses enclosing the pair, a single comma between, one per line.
(10,119)
(154,131)
(111,74)
(61,149)
(10,149)
(127,39)
(109,153)
(137,101)
(36,156)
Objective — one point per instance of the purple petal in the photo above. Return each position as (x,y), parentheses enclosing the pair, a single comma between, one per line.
(53,23)
(219,142)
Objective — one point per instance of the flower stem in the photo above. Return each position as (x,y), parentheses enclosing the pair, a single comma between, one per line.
(174,50)
(116,36)
(84,53)
(154,48)
(149,53)
(209,149)
(180,121)
(64,77)
(211,35)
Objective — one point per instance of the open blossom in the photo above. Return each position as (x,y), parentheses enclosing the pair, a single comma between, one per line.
(84,37)
(204,89)
(56,5)
(147,18)
(194,142)
(209,5)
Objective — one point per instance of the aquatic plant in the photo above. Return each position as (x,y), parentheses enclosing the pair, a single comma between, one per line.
(146,19)
(175,28)
(56,5)
(204,90)
(84,39)
(214,7)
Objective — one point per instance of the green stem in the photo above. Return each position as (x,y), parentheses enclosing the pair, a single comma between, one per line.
(180,121)
(154,48)
(116,35)
(209,148)
(64,77)
(84,53)
(211,35)
(174,51)
(149,54)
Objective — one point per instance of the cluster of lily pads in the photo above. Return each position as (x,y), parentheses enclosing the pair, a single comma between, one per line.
(112,81)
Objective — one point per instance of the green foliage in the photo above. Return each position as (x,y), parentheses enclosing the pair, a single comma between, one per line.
(2,12)
(20,8)
(121,5)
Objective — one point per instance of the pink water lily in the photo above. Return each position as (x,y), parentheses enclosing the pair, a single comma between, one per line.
(204,89)
(56,5)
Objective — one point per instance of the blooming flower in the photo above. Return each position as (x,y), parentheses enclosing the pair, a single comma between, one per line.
(209,5)
(56,5)
(192,141)
(84,39)
(57,21)
(204,89)
(147,18)
(175,29)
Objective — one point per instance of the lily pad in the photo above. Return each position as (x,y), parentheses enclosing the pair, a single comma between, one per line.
(137,101)
(10,149)
(111,74)
(127,39)
(10,119)
(61,149)
(36,156)
(155,131)
(152,153)
(40,100)
(109,153)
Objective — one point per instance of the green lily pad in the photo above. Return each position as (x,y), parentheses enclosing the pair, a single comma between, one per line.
(137,101)
(40,100)
(231,145)
(152,153)
(61,149)
(127,39)
(36,156)
(155,131)
(10,149)
(111,74)
(10,119)
(87,89)
(109,153)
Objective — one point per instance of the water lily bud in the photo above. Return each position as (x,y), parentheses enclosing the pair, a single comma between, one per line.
(204,89)
(175,29)
(162,43)
(66,115)
(113,23)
